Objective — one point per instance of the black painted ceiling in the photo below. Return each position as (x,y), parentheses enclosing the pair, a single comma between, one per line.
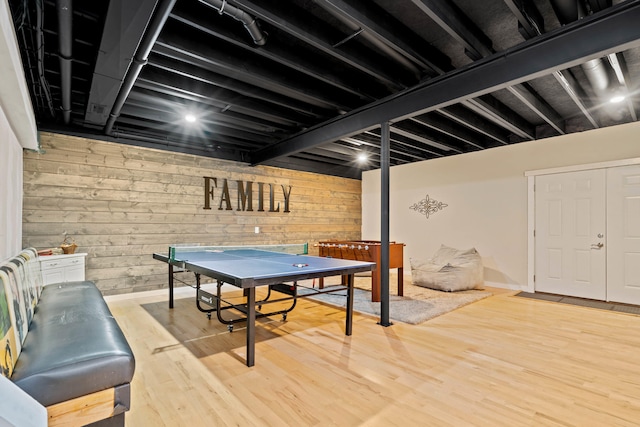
(305,84)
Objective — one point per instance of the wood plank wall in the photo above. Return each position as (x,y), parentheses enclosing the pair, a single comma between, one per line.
(122,203)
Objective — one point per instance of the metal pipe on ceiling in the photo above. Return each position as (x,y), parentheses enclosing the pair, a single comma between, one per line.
(370,38)
(161,15)
(65,52)
(597,71)
(163,9)
(40,52)
(249,22)
(598,75)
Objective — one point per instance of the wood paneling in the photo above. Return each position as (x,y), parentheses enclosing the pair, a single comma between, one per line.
(122,203)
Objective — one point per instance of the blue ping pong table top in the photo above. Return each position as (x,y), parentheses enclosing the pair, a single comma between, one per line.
(244,267)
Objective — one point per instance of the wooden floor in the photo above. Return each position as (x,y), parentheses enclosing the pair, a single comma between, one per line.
(502,361)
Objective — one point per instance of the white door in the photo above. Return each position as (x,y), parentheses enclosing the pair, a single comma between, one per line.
(623,234)
(570,222)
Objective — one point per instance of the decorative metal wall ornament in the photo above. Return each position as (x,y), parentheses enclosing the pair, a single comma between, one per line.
(428,206)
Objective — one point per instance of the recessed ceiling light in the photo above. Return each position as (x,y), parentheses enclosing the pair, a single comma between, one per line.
(616,99)
(190,118)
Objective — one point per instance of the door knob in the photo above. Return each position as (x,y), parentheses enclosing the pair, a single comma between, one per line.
(598,245)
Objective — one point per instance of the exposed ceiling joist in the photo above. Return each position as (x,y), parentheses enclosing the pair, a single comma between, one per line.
(548,53)
(459,26)
(306,84)
(394,36)
(300,30)
(124,28)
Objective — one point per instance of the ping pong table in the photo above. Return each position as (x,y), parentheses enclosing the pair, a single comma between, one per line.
(251,267)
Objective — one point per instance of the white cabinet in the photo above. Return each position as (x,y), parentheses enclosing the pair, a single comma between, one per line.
(62,268)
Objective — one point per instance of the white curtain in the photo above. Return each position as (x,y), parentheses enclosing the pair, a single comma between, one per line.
(11,168)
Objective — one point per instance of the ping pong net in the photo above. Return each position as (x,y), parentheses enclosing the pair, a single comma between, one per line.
(178,252)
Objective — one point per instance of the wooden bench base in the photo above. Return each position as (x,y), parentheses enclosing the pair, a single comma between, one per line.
(90,408)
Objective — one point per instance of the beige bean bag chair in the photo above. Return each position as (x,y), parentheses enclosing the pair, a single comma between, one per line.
(449,270)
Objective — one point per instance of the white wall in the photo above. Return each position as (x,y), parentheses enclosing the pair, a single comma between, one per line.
(486,194)
(17,131)
(10,190)
(14,94)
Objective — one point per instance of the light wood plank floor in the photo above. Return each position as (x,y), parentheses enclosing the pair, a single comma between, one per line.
(502,361)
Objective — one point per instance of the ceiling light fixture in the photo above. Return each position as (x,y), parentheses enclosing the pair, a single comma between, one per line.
(617,98)
(617,94)
(190,118)
(362,157)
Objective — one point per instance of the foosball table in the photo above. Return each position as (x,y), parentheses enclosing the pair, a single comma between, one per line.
(365,250)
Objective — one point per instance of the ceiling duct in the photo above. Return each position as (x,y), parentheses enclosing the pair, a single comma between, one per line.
(598,75)
(249,22)
(65,44)
(597,71)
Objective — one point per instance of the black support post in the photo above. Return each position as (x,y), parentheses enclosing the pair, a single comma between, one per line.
(384,226)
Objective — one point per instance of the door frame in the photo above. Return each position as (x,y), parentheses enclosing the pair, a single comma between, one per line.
(531,204)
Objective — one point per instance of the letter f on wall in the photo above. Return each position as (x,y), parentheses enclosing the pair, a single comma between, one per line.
(208,191)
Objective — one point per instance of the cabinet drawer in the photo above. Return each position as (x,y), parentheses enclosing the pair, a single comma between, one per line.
(61,263)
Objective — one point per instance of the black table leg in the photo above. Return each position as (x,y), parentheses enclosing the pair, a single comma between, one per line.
(349,317)
(251,326)
(170,285)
